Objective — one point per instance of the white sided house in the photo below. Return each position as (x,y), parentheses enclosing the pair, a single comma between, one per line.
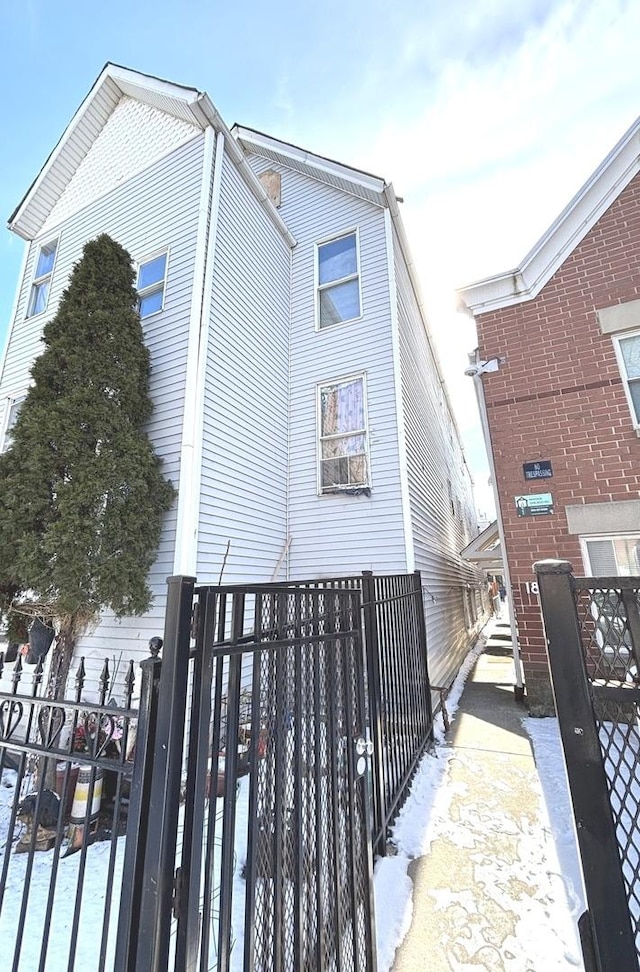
(299,405)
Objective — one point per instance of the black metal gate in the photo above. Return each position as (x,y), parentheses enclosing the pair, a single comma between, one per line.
(261,858)
(592,626)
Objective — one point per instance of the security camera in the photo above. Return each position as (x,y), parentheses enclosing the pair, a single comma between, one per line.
(482,367)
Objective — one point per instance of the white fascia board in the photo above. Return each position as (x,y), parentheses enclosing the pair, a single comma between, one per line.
(525,282)
(116,81)
(210,112)
(17,221)
(258,140)
(130,81)
(111,84)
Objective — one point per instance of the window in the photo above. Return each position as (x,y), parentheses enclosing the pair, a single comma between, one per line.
(338,281)
(12,408)
(343,436)
(612,556)
(628,349)
(151,280)
(42,279)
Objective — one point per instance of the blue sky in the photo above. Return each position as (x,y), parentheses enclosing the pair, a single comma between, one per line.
(487,115)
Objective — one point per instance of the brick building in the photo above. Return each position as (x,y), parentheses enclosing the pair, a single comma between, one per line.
(558,378)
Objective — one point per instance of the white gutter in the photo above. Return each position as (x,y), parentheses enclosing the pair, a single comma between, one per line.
(486,434)
(186,540)
(363,179)
(397,380)
(207,113)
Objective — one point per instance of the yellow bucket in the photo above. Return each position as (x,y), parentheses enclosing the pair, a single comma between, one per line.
(81,795)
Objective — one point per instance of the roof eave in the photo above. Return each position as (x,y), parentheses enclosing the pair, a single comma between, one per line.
(254,140)
(526,281)
(113,82)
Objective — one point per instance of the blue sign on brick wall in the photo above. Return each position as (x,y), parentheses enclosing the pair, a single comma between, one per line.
(536,504)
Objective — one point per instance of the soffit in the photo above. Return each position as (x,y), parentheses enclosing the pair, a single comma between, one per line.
(335,174)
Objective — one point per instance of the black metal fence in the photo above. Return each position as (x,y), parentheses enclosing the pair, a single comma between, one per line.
(240,801)
(592,626)
(262,857)
(398,690)
(66,801)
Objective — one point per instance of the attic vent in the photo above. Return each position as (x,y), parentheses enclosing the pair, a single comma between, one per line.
(272,184)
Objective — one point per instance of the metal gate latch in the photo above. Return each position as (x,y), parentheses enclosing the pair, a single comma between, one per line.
(364,747)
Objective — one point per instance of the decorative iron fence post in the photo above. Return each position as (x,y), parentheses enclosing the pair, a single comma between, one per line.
(137,819)
(372,651)
(611,929)
(158,881)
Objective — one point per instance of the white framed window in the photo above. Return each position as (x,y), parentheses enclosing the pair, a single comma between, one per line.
(617,556)
(628,353)
(338,281)
(343,453)
(13,404)
(42,279)
(152,278)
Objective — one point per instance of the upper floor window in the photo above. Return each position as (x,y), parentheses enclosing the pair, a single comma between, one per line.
(338,281)
(344,461)
(42,279)
(628,348)
(12,407)
(152,275)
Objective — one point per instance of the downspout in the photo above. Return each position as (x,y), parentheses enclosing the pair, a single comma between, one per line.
(185,554)
(486,434)
(397,380)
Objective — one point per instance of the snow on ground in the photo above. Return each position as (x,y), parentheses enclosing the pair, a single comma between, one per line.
(547,924)
(550,920)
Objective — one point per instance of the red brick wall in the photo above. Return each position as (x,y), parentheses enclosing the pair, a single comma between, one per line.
(559,396)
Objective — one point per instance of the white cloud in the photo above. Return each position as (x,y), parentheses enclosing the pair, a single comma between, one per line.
(496,149)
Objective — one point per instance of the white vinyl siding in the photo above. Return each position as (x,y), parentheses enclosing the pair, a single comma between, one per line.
(338,534)
(243,496)
(441,501)
(158,207)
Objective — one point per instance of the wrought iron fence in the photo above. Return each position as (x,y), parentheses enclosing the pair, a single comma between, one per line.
(397,684)
(66,769)
(262,856)
(239,804)
(592,626)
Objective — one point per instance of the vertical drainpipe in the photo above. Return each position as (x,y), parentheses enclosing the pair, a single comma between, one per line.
(486,434)
(186,543)
(397,380)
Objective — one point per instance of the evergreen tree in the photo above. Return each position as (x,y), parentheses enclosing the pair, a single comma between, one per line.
(81,492)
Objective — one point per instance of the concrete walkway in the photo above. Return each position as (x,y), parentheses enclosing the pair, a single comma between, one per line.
(476,882)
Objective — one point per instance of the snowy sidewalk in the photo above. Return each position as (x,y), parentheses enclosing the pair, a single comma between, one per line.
(486,849)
